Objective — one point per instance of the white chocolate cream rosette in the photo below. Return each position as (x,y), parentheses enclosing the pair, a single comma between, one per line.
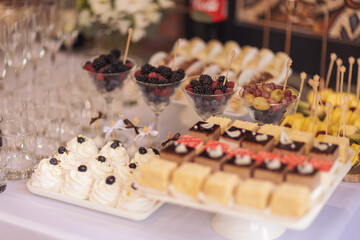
(82,147)
(100,166)
(143,155)
(106,190)
(115,151)
(49,175)
(78,183)
(133,200)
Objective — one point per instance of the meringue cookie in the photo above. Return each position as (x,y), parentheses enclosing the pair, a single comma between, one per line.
(127,173)
(143,155)
(82,147)
(78,183)
(68,160)
(133,200)
(106,190)
(115,151)
(100,166)
(48,175)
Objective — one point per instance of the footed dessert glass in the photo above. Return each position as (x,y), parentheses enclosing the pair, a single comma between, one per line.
(157,97)
(206,105)
(109,85)
(273,113)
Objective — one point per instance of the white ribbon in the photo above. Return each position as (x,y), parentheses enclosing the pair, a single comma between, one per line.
(119,125)
(151,132)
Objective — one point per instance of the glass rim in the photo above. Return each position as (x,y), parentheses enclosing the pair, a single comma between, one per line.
(109,74)
(235,89)
(28,132)
(273,104)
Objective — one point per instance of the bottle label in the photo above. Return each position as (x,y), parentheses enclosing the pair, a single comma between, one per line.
(216,9)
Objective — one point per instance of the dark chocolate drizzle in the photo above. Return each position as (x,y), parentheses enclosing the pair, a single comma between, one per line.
(171,149)
(330,150)
(252,138)
(201,129)
(233,129)
(298,146)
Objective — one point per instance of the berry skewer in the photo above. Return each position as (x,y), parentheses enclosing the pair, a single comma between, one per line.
(127,45)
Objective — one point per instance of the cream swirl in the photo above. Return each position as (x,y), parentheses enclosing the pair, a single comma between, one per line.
(127,173)
(100,166)
(115,151)
(215,153)
(284,138)
(49,176)
(78,183)
(106,190)
(305,169)
(133,200)
(273,164)
(82,147)
(242,160)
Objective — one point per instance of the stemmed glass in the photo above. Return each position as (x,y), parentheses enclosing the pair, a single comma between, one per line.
(3,54)
(207,105)
(16,41)
(36,34)
(157,97)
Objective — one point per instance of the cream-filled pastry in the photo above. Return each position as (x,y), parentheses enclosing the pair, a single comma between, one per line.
(82,147)
(78,182)
(133,200)
(100,166)
(49,175)
(115,151)
(106,190)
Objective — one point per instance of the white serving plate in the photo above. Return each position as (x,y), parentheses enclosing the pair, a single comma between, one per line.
(136,216)
(263,216)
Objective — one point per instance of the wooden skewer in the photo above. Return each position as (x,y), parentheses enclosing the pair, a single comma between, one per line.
(338,64)
(146,130)
(169,135)
(113,131)
(358,83)
(315,84)
(342,70)
(136,122)
(289,62)
(318,99)
(176,51)
(351,63)
(290,4)
(343,116)
(233,52)
(302,77)
(96,123)
(127,45)
(332,60)
(328,107)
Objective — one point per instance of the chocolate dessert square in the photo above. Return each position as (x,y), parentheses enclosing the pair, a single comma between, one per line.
(258,142)
(205,131)
(178,153)
(233,136)
(211,158)
(242,168)
(328,151)
(295,148)
(304,175)
(272,170)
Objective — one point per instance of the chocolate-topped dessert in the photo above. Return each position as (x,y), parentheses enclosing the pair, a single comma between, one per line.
(258,142)
(288,146)
(304,174)
(240,162)
(233,136)
(178,152)
(328,151)
(214,155)
(205,131)
(270,167)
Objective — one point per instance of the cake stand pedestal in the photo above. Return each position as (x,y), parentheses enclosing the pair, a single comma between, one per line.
(235,228)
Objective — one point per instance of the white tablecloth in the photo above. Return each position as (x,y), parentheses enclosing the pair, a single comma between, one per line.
(27,216)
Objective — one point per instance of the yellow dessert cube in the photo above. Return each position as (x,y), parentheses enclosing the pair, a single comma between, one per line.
(223,122)
(250,126)
(220,186)
(254,193)
(273,130)
(188,179)
(156,173)
(344,145)
(290,199)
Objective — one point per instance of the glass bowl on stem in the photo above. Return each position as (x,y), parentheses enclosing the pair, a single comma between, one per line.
(157,97)
(266,110)
(110,84)
(207,105)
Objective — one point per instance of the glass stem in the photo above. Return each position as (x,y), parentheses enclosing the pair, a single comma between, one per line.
(33,82)
(156,141)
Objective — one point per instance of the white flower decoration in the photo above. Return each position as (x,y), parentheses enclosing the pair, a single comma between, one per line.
(150,131)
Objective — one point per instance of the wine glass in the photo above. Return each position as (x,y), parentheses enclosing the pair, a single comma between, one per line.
(157,97)
(207,105)
(3,54)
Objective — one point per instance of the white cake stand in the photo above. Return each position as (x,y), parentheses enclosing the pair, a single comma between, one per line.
(235,228)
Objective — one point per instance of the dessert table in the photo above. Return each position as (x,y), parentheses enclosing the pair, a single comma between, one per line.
(23,214)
